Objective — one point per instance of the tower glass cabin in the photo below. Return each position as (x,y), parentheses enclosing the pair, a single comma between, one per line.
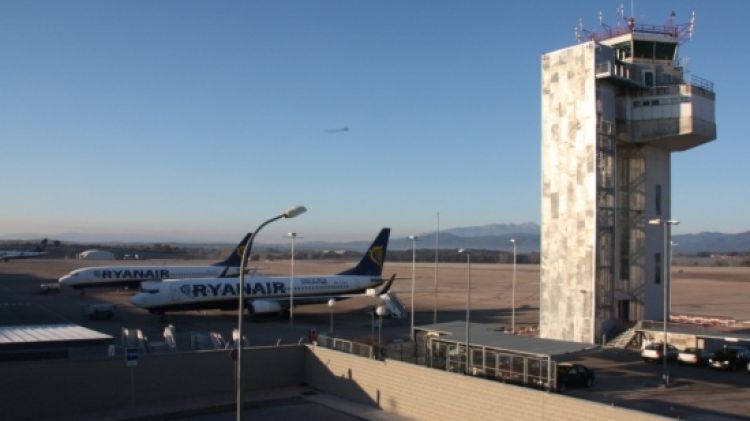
(614,108)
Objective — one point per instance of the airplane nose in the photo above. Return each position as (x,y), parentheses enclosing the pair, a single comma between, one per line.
(65,280)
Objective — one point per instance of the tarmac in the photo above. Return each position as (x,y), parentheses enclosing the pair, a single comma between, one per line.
(622,378)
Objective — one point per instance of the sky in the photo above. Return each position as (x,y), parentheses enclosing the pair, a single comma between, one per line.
(198,120)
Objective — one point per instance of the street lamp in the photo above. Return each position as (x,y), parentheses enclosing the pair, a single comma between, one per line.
(331,303)
(468,307)
(289,213)
(413,239)
(666,224)
(671,253)
(292,237)
(513,289)
(437,249)
(380,311)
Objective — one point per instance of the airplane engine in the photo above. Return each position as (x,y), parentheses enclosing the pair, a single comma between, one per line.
(265,307)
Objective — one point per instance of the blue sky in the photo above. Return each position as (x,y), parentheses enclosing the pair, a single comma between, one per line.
(197,120)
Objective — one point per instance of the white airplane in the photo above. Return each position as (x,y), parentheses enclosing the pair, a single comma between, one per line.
(114,276)
(268,294)
(6,255)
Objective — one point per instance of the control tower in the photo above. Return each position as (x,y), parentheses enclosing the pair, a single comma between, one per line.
(615,107)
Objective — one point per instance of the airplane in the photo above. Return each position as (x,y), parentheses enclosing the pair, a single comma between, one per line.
(6,255)
(268,294)
(117,276)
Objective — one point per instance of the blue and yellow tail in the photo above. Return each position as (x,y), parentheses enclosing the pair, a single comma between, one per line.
(373,260)
(235,259)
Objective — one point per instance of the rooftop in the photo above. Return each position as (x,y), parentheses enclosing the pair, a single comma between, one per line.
(492,335)
(13,336)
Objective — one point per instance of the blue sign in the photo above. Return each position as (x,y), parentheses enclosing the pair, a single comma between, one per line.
(131,356)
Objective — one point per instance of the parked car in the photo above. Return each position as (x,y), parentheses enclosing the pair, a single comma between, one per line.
(730,358)
(653,352)
(694,356)
(574,375)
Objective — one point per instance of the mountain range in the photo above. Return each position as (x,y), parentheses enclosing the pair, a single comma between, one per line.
(489,237)
(527,236)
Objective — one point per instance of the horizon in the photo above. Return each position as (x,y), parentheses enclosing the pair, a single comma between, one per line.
(199,120)
(104,237)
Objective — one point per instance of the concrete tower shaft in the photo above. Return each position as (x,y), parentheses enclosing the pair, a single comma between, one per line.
(613,110)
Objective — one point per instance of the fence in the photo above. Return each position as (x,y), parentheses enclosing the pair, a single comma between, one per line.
(343,345)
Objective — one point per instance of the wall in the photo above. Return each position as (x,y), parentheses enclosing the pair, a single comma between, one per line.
(567,268)
(422,393)
(37,389)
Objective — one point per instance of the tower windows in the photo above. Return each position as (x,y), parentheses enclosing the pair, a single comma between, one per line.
(657,201)
(657,268)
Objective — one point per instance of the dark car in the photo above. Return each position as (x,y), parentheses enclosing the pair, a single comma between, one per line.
(730,358)
(573,375)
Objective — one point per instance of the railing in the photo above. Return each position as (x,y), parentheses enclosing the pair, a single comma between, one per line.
(344,345)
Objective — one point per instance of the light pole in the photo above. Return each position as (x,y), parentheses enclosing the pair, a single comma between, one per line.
(292,237)
(671,253)
(468,308)
(666,224)
(413,239)
(289,213)
(380,311)
(513,289)
(331,303)
(437,249)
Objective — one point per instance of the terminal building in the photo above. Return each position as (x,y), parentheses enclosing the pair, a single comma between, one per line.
(615,107)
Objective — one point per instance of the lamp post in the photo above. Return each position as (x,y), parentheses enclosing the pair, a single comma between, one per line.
(289,213)
(331,303)
(437,249)
(292,237)
(666,224)
(413,239)
(513,290)
(468,308)
(380,311)
(671,253)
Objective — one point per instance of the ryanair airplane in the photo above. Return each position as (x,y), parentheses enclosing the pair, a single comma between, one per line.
(268,294)
(115,276)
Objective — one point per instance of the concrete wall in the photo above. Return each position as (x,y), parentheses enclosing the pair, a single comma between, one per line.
(567,287)
(30,390)
(427,394)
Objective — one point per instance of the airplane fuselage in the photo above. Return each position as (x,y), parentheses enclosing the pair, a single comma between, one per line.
(133,275)
(205,293)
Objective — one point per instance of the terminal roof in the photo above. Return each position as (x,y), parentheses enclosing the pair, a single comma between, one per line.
(39,334)
(492,336)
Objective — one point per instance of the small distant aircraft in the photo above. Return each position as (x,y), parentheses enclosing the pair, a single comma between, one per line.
(6,255)
(339,130)
(117,276)
(269,294)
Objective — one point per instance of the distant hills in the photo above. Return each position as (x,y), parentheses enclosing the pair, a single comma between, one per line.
(527,235)
(489,237)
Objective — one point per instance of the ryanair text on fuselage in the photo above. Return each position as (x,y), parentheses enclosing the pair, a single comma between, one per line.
(132,274)
(251,288)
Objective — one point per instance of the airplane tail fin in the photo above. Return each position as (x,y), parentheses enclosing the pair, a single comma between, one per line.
(372,262)
(235,258)
(42,245)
